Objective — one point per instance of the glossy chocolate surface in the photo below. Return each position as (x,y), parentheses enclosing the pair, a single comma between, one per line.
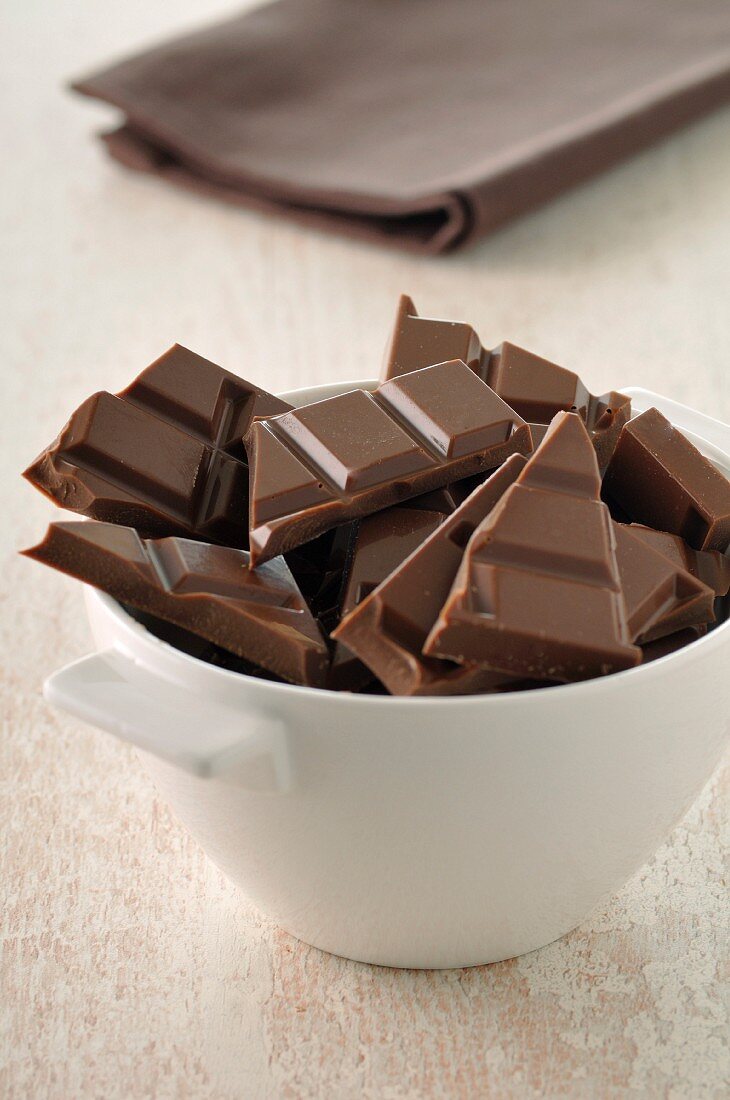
(381,543)
(708,566)
(538,389)
(661,597)
(401,541)
(208,590)
(351,455)
(201,398)
(418,342)
(660,479)
(534,387)
(538,593)
(164,456)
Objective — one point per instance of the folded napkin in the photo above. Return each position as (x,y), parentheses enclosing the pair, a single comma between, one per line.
(421,123)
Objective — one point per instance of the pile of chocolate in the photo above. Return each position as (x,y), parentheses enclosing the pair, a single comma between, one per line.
(478,523)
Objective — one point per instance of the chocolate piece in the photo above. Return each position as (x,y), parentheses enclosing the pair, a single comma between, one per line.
(418,342)
(661,597)
(259,615)
(538,389)
(710,567)
(660,479)
(351,455)
(198,647)
(163,456)
(381,543)
(201,398)
(652,651)
(388,629)
(534,387)
(538,594)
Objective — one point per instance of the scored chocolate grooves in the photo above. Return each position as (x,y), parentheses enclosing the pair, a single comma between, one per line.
(429,439)
(292,444)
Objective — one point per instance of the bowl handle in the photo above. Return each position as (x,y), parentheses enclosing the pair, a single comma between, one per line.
(202,736)
(682,416)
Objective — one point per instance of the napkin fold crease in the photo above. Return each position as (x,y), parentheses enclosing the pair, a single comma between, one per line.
(422,124)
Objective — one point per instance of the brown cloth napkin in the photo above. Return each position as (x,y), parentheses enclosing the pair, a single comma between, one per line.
(420,123)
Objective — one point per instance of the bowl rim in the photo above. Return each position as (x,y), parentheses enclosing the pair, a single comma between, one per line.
(707,642)
(130,625)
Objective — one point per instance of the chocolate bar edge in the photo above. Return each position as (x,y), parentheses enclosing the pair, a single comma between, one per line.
(313,663)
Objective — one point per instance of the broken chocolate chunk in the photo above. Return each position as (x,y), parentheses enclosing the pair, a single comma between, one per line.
(538,389)
(534,387)
(381,543)
(388,628)
(708,566)
(351,455)
(418,342)
(163,456)
(260,615)
(661,597)
(538,593)
(660,479)
(201,398)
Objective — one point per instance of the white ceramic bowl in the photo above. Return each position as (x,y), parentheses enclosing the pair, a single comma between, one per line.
(417,832)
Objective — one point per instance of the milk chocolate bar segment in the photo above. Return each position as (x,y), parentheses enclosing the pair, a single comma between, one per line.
(351,455)
(538,389)
(708,566)
(660,479)
(534,387)
(661,597)
(208,590)
(164,456)
(418,342)
(201,398)
(537,594)
(388,629)
(117,463)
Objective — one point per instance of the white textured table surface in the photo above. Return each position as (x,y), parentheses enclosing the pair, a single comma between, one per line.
(128,966)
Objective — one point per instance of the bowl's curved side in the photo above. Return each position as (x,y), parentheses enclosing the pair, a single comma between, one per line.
(448,832)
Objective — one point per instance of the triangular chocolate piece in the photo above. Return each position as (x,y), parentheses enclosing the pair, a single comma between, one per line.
(418,342)
(565,464)
(259,615)
(660,596)
(279,482)
(538,593)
